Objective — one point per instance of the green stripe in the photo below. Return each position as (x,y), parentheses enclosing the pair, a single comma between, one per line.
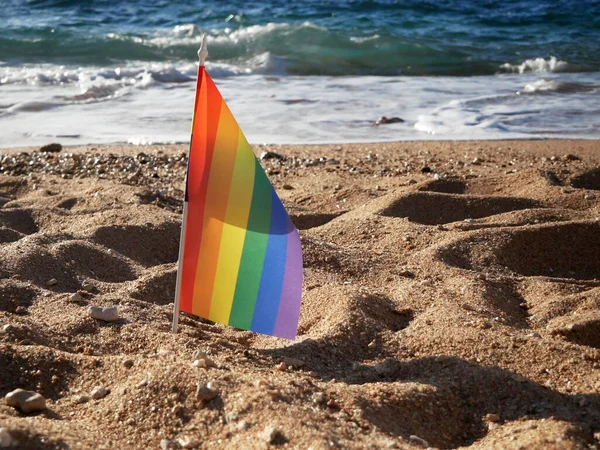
(253,254)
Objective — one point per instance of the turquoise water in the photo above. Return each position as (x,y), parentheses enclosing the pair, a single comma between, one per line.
(451,37)
(310,71)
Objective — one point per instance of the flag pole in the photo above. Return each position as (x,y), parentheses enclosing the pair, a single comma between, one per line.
(202,55)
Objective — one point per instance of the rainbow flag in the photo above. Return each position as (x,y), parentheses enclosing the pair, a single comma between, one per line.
(240,260)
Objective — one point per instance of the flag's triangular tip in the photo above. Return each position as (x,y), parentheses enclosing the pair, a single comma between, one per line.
(203,51)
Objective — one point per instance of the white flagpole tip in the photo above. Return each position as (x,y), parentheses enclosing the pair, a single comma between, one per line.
(203,52)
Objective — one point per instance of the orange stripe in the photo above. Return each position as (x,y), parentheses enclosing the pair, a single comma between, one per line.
(217,195)
(201,149)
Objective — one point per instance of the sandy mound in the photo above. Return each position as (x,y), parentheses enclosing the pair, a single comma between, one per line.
(451,300)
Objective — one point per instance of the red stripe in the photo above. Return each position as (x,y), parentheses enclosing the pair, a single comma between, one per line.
(204,130)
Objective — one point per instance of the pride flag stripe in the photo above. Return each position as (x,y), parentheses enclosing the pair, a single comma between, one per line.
(253,257)
(241,257)
(234,233)
(199,164)
(289,308)
(271,283)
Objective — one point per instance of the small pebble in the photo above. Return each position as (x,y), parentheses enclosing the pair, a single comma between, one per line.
(166,444)
(26,401)
(293,362)
(383,120)
(75,297)
(6,440)
(282,367)
(128,363)
(82,399)
(589,196)
(287,187)
(418,441)
(269,434)
(318,398)
(87,286)
(242,425)
(204,363)
(205,393)
(99,392)
(271,155)
(108,314)
(492,417)
(52,282)
(54,147)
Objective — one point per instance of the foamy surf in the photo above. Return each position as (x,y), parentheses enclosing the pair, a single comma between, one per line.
(135,107)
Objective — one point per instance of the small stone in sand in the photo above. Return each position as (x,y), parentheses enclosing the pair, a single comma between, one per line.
(386,120)
(108,314)
(75,297)
(418,441)
(288,187)
(318,398)
(99,392)
(271,155)
(87,286)
(6,440)
(26,401)
(166,444)
(492,417)
(54,147)
(205,393)
(242,425)
(82,399)
(269,434)
(128,363)
(52,282)
(293,362)
(204,363)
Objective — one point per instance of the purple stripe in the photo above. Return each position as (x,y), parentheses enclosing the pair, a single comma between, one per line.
(286,324)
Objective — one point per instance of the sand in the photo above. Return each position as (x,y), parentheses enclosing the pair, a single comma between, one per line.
(451,300)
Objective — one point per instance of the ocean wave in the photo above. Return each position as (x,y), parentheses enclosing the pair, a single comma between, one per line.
(537,65)
(548,86)
(128,74)
(361,39)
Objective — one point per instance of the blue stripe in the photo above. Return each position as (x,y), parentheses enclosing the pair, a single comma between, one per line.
(271,281)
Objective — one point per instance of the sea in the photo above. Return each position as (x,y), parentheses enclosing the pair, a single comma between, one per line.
(310,71)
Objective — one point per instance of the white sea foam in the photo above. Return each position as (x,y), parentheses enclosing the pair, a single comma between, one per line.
(537,65)
(547,86)
(361,39)
(127,104)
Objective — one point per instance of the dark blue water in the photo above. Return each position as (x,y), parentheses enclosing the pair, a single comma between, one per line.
(352,37)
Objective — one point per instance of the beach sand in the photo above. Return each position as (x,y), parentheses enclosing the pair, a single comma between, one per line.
(451,300)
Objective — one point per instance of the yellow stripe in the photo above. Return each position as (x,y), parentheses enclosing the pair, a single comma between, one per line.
(234,232)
